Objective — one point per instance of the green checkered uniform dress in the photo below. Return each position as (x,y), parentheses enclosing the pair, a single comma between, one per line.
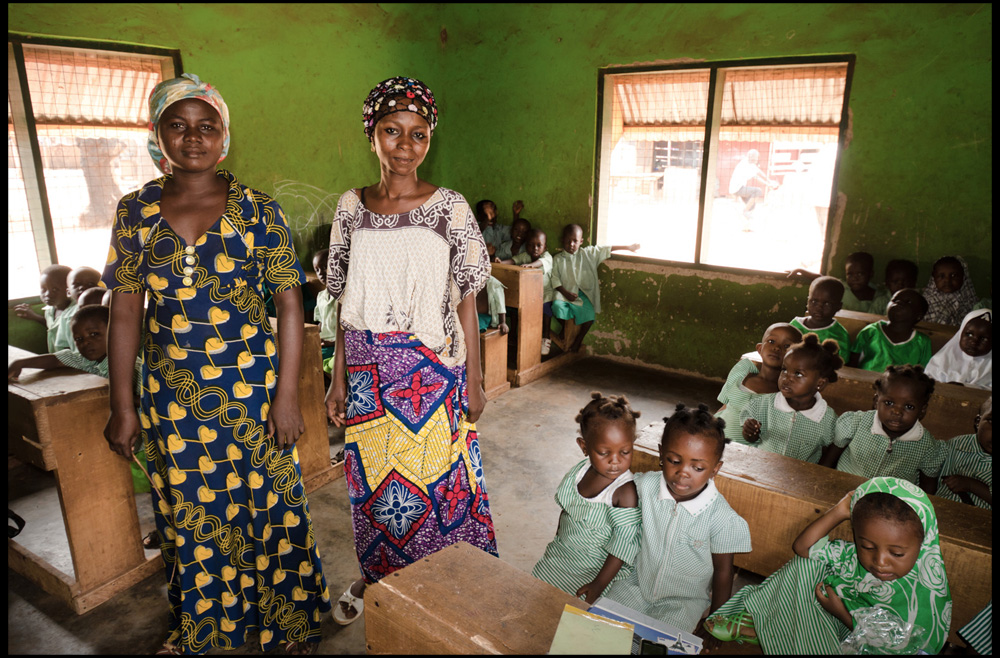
(735,396)
(789,433)
(867,454)
(964,456)
(834,330)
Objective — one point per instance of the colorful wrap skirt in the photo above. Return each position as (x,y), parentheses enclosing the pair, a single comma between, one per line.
(411,461)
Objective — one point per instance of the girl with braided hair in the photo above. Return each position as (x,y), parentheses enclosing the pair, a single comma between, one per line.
(598,534)
(689,532)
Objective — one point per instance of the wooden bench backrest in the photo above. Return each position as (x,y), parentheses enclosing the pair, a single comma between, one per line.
(779,496)
(855,321)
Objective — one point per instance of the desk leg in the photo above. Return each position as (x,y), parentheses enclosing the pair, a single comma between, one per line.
(529,340)
(96,496)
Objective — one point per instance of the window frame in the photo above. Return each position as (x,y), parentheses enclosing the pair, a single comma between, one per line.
(26,133)
(710,149)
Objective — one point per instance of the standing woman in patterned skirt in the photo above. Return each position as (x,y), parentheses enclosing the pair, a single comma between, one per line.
(219,416)
(406,262)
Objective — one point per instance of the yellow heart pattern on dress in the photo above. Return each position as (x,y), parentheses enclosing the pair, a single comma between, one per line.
(176,353)
(269,348)
(176,411)
(203,552)
(175,443)
(201,579)
(233,482)
(154,326)
(112,255)
(226,625)
(180,324)
(279,575)
(245,581)
(305,568)
(248,239)
(225,228)
(248,331)
(256,480)
(264,409)
(206,434)
(234,453)
(291,519)
(155,417)
(153,386)
(228,600)
(205,464)
(217,316)
(299,594)
(242,390)
(223,264)
(265,638)
(272,499)
(156,282)
(211,372)
(262,562)
(180,541)
(245,359)
(202,606)
(144,421)
(215,345)
(184,294)
(228,573)
(266,534)
(157,480)
(176,476)
(269,379)
(170,534)
(284,546)
(231,511)
(164,508)
(205,494)
(150,210)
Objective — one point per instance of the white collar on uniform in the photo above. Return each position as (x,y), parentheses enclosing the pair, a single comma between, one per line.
(815,413)
(696,505)
(914,434)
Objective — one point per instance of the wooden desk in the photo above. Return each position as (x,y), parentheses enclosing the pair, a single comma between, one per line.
(779,496)
(56,422)
(855,321)
(524,292)
(951,411)
(493,355)
(462,600)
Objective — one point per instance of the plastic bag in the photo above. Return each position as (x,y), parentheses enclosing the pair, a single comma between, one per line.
(880,631)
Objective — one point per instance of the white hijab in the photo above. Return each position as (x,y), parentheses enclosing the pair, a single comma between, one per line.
(951,364)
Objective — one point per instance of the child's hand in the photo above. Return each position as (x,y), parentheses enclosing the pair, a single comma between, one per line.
(491,250)
(959,483)
(589,591)
(843,506)
(25,311)
(504,329)
(751,430)
(570,296)
(832,603)
(634,247)
(13,371)
(517,208)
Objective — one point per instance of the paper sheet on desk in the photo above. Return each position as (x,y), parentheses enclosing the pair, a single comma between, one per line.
(676,641)
(581,633)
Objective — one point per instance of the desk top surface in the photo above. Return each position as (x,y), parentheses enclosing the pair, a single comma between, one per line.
(47,385)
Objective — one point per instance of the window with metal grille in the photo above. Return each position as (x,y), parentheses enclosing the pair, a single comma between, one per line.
(728,164)
(77,123)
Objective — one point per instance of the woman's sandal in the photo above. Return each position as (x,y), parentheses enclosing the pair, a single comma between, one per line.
(300,648)
(169,649)
(355,602)
(728,628)
(151,541)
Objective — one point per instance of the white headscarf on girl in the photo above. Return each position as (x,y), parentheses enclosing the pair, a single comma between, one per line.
(951,364)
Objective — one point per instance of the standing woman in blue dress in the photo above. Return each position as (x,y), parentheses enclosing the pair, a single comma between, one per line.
(219,414)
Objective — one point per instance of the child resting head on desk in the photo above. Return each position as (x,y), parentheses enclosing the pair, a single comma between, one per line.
(967,474)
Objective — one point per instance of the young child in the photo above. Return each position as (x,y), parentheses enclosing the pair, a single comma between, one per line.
(490,305)
(518,235)
(494,233)
(94,297)
(749,377)
(890,441)
(899,274)
(598,534)
(574,279)
(55,295)
(894,341)
(826,295)
(859,294)
(949,293)
(894,562)
(80,280)
(796,421)
(689,531)
(967,474)
(967,358)
(325,314)
(535,256)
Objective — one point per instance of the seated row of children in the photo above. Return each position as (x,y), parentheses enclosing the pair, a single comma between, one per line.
(966,359)
(63,290)
(663,543)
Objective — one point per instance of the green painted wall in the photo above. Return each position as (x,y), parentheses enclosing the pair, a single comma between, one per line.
(516,85)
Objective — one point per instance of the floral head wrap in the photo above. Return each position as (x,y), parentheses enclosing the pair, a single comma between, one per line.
(949,307)
(169,92)
(398,95)
(922,596)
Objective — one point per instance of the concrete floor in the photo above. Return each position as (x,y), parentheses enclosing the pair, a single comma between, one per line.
(527,440)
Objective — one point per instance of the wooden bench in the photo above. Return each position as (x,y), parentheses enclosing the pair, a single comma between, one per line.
(779,496)
(855,321)
(493,354)
(462,600)
(952,409)
(55,421)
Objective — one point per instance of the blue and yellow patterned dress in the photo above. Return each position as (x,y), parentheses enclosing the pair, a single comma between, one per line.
(238,542)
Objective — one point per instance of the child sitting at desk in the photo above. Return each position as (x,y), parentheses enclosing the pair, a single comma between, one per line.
(967,474)
(894,562)
(325,314)
(949,293)
(518,235)
(899,274)
(494,233)
(967,358)
(796,421)
(826,295)
(750,377)
(890,441)
(689,531)
(491,306)
(535,256)
(574,279)
(859,294)
(894,341)
(55,296)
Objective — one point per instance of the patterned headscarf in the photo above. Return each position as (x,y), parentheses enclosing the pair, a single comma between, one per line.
(169,92)
(950,307)
(922,596)
(398,95)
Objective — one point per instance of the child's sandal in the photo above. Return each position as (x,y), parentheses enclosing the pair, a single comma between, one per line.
(728,628)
